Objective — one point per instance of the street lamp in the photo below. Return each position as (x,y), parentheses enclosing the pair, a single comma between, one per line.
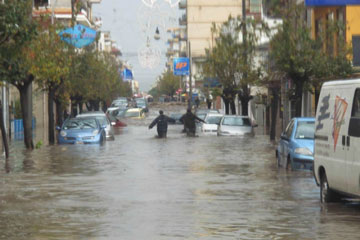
(157,34)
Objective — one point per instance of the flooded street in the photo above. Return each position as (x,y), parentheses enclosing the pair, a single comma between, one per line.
(141,187)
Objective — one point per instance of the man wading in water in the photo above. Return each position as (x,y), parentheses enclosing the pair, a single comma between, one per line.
(162,124)
(189,123)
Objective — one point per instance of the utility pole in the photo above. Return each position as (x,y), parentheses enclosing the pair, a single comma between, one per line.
(244,39)
(190,78)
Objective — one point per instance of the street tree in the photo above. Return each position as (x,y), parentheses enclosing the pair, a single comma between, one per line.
(51,66)
(305,60)
(168,83)
(232,59)
(17,29)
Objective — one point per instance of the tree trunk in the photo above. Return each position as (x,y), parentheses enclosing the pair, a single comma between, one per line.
(274,111)
(317,96)
(226,103)
(26,109)
(59,113)
(104,106)
(51,116)
(244,107)
(3,133)
(298,100)
(233,107)
(80,107)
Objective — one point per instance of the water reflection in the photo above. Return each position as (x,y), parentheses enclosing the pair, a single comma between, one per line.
(141,187)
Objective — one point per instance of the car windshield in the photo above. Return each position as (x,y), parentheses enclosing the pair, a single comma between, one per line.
(213,119)
(80,123)
(305,130)
(201,116)
(118,104)
(132,114)
(236,121)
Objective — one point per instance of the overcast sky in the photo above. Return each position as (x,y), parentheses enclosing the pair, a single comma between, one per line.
(123,19)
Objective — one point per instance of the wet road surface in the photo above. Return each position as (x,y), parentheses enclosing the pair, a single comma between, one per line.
(141,187)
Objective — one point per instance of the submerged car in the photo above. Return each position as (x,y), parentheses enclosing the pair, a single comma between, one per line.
(142,103)
(81,130)
(296,145)
(103,119)
(212,121)
(136,113)
(176,117)
(232,125)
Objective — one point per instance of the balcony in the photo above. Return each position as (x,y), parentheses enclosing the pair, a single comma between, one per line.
(183,20)
(182,4)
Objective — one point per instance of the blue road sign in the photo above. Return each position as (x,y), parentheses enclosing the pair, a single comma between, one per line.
(127,74)
(181,66)
(315,3)
(79,36)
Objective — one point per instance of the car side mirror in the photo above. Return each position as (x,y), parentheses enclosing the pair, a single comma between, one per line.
(283,136)
(58,128)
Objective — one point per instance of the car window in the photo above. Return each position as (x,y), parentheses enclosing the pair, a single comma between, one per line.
(305,130)
(213,119)
(80,124)
(289,129)
(354,125)
(236,121)
(201,116)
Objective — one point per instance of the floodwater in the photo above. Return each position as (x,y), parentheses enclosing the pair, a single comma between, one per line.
(140,187)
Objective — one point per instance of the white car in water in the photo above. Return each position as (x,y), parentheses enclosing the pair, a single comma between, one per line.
(233,125)
(212,121)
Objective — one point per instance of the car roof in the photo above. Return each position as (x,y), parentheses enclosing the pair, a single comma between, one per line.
(211,114)
(303,119)
(235,116)
(91,114)
(134,110)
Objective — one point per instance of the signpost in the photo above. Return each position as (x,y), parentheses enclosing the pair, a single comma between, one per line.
(79,36)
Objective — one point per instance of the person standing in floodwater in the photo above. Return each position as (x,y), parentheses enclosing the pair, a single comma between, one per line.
(162,124)
(189,122)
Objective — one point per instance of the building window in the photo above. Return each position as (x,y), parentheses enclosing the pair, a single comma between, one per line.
(356,50)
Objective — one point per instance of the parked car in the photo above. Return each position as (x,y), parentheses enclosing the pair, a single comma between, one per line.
(136,113)
(103,119)
(116,112)
(142,103)
(212,121)
(120,103)
(115,122)
(177,117)
(233,125)
(296,145)
(81,130)
(337,140)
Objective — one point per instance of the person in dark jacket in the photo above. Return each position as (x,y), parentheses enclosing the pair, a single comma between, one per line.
(162,124)
(189,122)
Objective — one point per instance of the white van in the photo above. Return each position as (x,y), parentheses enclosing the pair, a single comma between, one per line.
(337,140)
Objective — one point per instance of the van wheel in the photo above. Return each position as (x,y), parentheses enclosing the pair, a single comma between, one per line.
(326,194)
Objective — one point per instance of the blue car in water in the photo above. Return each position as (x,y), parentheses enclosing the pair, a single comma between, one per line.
(81,130)
(296,146)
